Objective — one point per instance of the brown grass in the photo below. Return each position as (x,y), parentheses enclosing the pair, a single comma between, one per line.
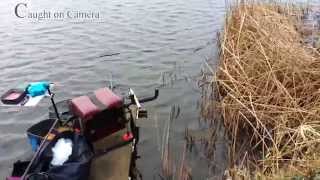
(169,168)
(268,84)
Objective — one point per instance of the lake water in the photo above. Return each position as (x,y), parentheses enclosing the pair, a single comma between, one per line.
(84,45)
(140,44)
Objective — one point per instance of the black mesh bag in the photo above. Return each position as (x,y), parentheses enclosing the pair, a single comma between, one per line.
(77,167)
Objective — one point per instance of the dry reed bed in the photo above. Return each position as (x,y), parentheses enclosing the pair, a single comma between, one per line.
(268,84)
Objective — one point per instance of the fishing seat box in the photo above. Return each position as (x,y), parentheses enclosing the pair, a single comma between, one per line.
(101,114)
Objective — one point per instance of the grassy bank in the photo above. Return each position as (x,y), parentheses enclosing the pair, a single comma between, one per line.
(268,92)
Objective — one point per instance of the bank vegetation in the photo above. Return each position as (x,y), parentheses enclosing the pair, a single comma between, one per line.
(267,89)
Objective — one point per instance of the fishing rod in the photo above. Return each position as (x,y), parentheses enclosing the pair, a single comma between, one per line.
(43,142)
